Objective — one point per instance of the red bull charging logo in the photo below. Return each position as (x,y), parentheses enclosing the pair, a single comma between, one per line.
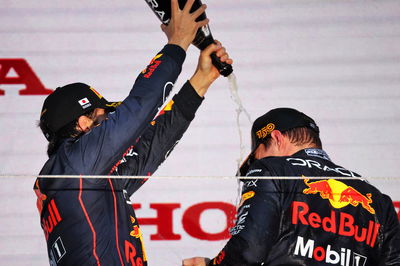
(339,194)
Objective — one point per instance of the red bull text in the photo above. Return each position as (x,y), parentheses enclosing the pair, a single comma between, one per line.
(50,221)
(344,226)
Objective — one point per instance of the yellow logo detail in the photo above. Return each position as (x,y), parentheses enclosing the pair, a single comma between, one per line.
(136,232)
(169,105)
(114,104)
(248,195)
(95,92)
(157,56)
(263,132)
(133,220)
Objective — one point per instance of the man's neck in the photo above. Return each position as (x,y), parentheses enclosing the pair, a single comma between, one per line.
(296,148)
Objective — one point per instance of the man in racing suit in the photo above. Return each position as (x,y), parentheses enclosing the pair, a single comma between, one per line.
(90,221)
(281,221)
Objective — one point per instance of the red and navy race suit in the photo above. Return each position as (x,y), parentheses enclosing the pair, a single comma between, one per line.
(311,221)
(91,221)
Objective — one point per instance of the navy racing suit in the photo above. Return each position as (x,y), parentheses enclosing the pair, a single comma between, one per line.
(90,221)
(341,221)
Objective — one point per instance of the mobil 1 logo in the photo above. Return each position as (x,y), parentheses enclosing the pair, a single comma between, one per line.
(328,255)
(57,251)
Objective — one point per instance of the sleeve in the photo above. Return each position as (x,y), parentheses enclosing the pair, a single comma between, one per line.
(257,224)
(99,150)
(391,241)
(160,137)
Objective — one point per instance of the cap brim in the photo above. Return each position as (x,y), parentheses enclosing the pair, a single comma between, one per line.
(110,106)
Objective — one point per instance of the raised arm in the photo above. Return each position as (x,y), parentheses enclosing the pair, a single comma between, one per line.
(164,133)
(100,151)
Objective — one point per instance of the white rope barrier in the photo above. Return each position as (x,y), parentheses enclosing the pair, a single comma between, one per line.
(202,177)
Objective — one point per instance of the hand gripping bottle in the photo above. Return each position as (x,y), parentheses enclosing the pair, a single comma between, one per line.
(203,38)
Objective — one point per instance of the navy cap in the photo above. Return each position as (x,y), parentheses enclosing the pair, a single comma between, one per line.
(68,103)
(281,119)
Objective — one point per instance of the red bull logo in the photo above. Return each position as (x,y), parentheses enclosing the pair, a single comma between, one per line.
(40,197)
(154,63)
(339,194)
(137,233)
(340,223)
(52,219)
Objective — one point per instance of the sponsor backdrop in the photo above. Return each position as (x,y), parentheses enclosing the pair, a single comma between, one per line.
(337,61)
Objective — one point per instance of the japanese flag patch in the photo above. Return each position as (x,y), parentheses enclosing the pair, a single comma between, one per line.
(84,103)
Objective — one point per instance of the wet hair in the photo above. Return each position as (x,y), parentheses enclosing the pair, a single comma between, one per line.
(70,130)
(300,136)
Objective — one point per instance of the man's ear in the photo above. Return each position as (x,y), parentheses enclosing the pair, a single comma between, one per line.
(83,123)
(278,137)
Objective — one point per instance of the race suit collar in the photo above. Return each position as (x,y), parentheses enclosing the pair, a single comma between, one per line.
(314,152)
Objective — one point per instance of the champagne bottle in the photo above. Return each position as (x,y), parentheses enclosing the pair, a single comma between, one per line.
(203,38)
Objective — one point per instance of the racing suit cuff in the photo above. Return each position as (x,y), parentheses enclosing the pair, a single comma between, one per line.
(175,52)
(188,101)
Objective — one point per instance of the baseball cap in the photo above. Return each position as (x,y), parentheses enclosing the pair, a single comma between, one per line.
(281,119)
(67,103)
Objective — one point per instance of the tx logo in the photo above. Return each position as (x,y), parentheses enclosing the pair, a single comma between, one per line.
(251,183)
